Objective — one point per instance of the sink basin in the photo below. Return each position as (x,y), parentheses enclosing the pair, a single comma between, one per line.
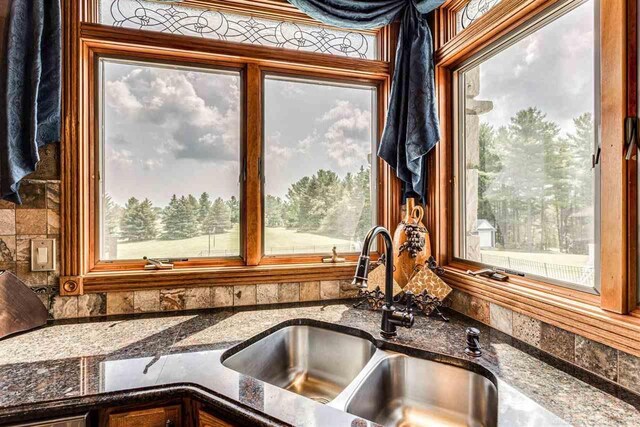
(314,362)
(406,391)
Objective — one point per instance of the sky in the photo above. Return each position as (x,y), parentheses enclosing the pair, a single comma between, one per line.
(177,131)
(552,69)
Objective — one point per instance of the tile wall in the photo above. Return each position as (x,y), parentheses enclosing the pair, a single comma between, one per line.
(609,363)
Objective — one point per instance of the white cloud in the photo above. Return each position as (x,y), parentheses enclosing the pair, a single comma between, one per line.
(182,122)
(120,98)
(151,164)
(276,150)
(532,49)
(120,157)
(305,144)
(348,138)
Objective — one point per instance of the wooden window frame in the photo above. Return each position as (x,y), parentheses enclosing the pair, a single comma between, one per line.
(603,317)
(85,41)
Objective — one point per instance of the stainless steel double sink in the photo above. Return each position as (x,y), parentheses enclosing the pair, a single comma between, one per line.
(350,373)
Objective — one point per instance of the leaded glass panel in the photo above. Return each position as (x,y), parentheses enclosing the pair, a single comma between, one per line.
(221,25)
(473,10)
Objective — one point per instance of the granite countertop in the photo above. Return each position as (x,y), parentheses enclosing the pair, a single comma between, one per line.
(68,363)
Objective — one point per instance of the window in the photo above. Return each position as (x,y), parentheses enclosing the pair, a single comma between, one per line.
(320,140)
(527,197)
(222,25)
(471,11)
(194,137)
(175,133)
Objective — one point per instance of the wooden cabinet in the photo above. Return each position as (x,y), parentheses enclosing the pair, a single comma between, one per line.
(207,420)
(80,421)
(168,416)
(172,412)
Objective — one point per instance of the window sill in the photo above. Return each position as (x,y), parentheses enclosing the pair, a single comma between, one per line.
(188,277)
(571,310)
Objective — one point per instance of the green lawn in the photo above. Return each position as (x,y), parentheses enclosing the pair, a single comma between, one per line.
(277,241)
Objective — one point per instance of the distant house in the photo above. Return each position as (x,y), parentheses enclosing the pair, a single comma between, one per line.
(486,233)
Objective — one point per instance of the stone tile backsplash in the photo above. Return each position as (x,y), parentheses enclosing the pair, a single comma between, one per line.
(179,299)
(607,362)
(37,217)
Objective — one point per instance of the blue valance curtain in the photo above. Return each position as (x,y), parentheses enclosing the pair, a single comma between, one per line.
(30,89)
(412,128)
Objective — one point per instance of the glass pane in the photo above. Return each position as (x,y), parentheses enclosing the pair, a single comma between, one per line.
(170,154)
(473,10)
(319,191)
(219,25)
(528,135)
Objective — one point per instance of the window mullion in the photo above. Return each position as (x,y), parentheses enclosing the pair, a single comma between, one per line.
(614,200)
(253,157)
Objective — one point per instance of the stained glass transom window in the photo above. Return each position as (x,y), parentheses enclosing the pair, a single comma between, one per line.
(473,10)
(219,25)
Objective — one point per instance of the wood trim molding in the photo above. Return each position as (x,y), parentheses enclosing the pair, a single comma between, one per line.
(197,47)
(71,242)
(71,286)
(613,182)
(253,161)
(632,166)
(130,280)
(618,331)
(502,19)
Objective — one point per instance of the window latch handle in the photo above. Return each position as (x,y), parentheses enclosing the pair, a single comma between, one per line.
(595,158)
(631,136)
(243,175)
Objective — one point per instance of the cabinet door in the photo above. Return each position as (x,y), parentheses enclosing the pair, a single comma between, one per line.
(207,420)
(168,416)
(60,422)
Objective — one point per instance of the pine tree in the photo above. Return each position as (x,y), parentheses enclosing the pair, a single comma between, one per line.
(363,187)
(130,228)
(171,219)
(310,199)
(234,208)
(203,211)
(188,217)
(529,140)
(219,220)
(579,218)
(180,218)
(274,211)
(138,221)
(490,165)
(112,215)
(149,220)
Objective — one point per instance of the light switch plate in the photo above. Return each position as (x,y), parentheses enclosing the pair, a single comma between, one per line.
(43,254)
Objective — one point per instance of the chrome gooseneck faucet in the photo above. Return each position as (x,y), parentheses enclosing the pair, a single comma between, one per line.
(391,318)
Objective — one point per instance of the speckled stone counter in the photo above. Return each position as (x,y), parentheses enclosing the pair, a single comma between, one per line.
(91,362)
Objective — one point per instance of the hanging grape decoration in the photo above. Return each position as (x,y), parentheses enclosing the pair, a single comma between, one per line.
(415,239)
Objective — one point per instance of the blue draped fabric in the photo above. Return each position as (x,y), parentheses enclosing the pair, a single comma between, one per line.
(30,89)
(412,127)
